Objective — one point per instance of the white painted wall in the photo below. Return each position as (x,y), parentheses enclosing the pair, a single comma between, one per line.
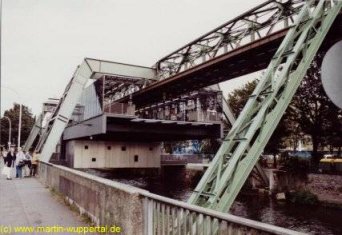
(111,154)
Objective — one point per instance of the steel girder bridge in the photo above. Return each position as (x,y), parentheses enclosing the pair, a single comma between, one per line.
(286,34)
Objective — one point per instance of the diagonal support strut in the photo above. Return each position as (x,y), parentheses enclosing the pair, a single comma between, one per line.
(235,159)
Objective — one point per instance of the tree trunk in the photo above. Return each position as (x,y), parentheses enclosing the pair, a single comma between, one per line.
(315,155)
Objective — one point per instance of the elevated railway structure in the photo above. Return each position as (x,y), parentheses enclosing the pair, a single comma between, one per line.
(250,133)
(281,36)
(241,46)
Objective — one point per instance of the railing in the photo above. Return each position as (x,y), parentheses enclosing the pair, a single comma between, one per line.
(119,108)
(180,159)
(167,216)
(185,115)
(204,116)
(141,212)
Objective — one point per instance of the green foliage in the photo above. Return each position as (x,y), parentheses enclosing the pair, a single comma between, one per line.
(27,122)
(210,146)
(295,164)
(237,100)
(304,197)
(310,113)
(314,113)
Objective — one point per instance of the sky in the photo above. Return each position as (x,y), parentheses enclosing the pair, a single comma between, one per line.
(44,40)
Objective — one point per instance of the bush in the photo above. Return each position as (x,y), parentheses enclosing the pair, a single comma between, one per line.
(304,197)
(295,164)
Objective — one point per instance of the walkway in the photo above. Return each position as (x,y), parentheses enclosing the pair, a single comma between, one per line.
(26,202)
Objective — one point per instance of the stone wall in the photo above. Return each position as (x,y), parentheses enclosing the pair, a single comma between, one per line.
(104,201)
(328,188)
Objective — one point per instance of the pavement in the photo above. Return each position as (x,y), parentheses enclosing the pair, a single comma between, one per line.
(26,202)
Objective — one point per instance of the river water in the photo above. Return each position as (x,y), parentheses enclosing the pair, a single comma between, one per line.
(175,183)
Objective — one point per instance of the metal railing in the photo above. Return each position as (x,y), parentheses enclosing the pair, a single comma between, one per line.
(181,159)
(168,216)
(119,108)
(159,215)
(185,115)
(204,116)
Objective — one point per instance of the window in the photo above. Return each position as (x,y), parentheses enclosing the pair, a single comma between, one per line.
(136,158)
(85,146)
(123,148)
(93,159)
(109,147)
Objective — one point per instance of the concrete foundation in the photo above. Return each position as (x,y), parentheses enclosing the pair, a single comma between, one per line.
(109,154)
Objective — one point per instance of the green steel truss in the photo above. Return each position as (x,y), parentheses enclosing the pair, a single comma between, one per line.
(250,133)
(36,129)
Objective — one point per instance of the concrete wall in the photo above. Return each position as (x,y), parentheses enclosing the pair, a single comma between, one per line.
(137,211)
(105,154)
(104,201)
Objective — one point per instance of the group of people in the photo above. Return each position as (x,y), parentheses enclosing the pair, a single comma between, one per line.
(23,164)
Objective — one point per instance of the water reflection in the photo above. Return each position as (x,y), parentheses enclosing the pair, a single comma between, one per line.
(309,219)
(177,183)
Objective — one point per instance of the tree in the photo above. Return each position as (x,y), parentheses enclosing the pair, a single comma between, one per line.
(316,115)
(210,146)
(237,100)
(334,128)
(310,113)
(27,122)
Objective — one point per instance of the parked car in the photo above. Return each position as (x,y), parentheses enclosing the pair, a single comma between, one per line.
(330,164)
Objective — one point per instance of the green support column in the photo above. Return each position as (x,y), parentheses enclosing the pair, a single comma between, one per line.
(36,129)
(250,133)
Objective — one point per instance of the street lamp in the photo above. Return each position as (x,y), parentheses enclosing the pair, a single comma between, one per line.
(19,125)
(10,131)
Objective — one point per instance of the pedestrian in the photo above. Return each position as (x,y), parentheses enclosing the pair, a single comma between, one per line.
(34,163)
(27,168)
(9,163)
(19,162)
(3,155)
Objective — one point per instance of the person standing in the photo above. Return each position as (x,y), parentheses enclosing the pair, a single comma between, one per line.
(3,156)
(19,162)
(34,163)
(9,163)
(26,170)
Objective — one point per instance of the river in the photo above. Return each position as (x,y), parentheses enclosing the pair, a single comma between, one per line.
(175,183)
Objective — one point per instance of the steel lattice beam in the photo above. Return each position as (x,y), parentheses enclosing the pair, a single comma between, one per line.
(60,119)
(230,117)
(250,133)
(36,129)
(90,68)
(260,22)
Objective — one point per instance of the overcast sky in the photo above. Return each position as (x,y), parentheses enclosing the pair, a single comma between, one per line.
(44,40)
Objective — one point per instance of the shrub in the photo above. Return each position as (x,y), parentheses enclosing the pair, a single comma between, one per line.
(304,197)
